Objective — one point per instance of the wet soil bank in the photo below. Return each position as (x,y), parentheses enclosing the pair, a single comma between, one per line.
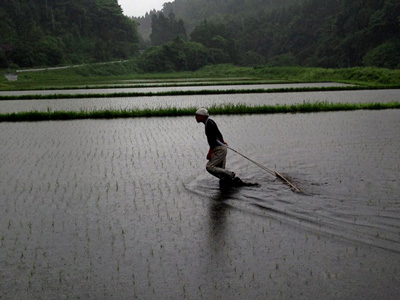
(122,209)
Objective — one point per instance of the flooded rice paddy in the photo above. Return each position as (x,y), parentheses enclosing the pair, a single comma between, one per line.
(124,209)
(155,102)
(167,88)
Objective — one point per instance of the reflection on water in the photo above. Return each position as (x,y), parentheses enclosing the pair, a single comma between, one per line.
(218,214)
(217,222)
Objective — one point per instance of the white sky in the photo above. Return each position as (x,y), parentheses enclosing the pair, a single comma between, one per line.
(138,8)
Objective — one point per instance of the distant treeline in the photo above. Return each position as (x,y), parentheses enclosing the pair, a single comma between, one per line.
(189,34)
(53,32)
(329,33)
(195,11)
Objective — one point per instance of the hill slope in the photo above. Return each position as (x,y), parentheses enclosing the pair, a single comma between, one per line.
(329,33)
(192,12)
(51,32)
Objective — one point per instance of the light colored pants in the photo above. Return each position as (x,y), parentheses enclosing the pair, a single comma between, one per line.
(216,165)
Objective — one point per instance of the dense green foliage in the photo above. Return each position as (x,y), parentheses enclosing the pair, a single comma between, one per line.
(195,11)
(218,40)
(176,55)
(228,109)
(329,33)
(106,75)
(311,33)
(52,32)
(164,29)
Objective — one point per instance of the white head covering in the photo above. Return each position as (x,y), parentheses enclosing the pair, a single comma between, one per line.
(202,112)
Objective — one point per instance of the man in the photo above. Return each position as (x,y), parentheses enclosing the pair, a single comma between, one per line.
(217,154)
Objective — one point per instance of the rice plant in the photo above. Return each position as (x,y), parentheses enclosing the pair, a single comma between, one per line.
(226,109)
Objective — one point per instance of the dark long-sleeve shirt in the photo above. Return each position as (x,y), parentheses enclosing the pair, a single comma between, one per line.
(214,136)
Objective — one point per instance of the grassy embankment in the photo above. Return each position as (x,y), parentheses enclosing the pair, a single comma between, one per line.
(124,73)
(228,109)
(106,76)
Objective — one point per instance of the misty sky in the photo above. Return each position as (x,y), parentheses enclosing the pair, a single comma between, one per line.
(138,8)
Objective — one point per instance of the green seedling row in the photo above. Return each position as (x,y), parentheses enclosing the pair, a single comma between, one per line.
(228,109)
(192,93)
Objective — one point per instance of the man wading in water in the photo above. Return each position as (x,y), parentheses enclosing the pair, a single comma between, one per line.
(217,154)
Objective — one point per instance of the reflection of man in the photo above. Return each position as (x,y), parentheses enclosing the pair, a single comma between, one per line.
(217,154)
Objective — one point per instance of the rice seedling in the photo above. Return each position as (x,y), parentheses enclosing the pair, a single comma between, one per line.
(148,206)
(227,109)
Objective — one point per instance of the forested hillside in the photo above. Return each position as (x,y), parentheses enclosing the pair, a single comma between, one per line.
(329,33)
(188,34)
(195,11)
(53,32)
(323,33)
(192,12)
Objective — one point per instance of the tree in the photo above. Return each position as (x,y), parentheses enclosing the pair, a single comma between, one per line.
(386,55)
(177,55)
(216,38)
(51,32)
(165,29)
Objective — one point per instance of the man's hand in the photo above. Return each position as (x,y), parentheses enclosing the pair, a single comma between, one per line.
(209,154)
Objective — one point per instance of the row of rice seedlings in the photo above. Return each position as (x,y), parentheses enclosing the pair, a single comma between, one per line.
(188,92)
(167,83)
(226,109)
(48,187)
(52,192)
(152,198)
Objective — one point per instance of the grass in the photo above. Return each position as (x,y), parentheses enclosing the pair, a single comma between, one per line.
(111,75)
(228,109)
(127,71)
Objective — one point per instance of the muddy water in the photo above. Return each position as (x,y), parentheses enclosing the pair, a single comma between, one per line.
(382,96)
(119,209)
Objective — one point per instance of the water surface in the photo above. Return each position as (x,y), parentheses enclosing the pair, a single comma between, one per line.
(123,209)
(167,88)
(382,96)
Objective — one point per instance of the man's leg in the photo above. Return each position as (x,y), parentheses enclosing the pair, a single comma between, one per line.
(216,165)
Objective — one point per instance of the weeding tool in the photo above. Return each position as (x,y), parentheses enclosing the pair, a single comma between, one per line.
(273,173)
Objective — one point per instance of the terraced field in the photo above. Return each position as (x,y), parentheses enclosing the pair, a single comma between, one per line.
(124,209)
